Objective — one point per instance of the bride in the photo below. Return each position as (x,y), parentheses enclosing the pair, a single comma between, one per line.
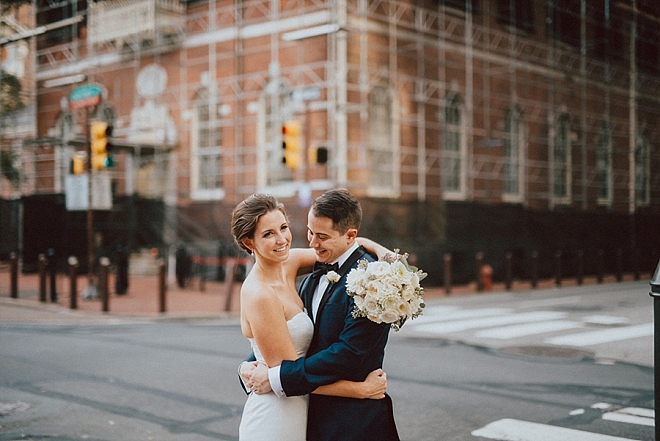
(273,320)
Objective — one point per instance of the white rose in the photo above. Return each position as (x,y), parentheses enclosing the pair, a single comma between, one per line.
(389,316)
(370,305)
(414,280)
(332,277)
(375,318)
(407,292)
(391,302)
(401,273)
(355,281)
(404,309)
(378,269)
(415,304)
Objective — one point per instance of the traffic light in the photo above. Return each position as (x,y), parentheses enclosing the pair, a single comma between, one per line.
(78,164)
(317,155)
(101,159)
(291,144)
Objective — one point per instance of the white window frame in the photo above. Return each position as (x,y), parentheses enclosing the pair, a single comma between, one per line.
(604,166)
(514,133)
(461,154)
(642,171)
(199,192)
(383,143)
(556,132)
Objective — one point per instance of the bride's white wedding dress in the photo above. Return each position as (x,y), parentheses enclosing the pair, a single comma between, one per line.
(267,417)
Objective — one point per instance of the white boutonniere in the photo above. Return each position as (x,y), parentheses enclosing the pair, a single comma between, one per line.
(332,277)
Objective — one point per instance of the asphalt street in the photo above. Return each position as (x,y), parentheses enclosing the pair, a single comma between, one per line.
(451,377)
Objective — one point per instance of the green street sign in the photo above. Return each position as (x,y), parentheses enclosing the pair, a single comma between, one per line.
(87,95)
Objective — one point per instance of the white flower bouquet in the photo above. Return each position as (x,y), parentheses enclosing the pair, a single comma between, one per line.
(387,291)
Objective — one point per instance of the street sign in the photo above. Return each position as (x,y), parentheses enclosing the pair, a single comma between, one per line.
(306,94)
(77,192)
(87,95)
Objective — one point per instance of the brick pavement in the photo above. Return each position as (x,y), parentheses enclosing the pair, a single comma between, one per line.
(195,301)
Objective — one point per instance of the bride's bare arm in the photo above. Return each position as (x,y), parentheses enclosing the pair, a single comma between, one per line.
(373,387)
(267,324)
(373,248)
(301,260)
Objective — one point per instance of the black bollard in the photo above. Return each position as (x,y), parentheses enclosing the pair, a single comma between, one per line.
(479,263)
(580,266)
(73,278)
(508,258)
(13,262)
(42,278)
(52,272)
(103,283)
(447,259)
(558,268)
(655,293)
(535,268)
(619,264)
(600,257)
(162,286)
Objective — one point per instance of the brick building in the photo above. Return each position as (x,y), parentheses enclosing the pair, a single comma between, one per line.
(500,126)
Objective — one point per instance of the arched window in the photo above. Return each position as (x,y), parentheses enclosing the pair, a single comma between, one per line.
(642,170)
(513,155)
(206,148)
(561,161)
(383,164)
(604,165)
(454,150)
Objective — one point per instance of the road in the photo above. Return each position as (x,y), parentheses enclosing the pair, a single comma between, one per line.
(156,380)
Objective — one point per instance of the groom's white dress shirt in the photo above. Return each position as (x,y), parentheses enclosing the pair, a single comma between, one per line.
(274,372)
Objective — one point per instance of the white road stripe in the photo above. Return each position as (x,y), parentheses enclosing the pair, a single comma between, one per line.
(631,419)
(548,302)
(605,320)
(517,430)
(453,315)
(632,415)
(639,411)
(515,331)
(487,322)
(603,336)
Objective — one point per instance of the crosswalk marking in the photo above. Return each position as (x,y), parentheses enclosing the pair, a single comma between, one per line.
(632,415)
(515,331)
(603,336)
(500,323)
(485,322)
(518,430)
(453,314)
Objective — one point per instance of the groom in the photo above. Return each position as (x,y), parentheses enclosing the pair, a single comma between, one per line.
(343,347)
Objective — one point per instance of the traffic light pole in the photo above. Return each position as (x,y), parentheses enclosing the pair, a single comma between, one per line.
(91,290)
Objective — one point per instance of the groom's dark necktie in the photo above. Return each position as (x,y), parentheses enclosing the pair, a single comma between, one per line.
(320,269)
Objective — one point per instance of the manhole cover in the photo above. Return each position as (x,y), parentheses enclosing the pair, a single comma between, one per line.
(14,407)
(547,351)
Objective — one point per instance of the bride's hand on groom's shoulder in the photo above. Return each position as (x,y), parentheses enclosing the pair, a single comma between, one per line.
(375,385)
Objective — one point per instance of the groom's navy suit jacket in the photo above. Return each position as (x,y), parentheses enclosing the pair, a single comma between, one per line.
(347,348)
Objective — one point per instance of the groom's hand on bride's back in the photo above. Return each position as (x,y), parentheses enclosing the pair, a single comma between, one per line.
(255,376)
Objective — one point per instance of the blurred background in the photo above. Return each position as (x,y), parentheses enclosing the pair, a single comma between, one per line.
(521,130)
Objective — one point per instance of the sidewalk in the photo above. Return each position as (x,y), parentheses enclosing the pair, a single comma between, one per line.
(193,302)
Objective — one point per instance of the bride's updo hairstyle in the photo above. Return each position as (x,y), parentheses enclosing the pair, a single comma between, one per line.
(247,213)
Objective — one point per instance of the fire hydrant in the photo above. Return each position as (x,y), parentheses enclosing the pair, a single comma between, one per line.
(487,277)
